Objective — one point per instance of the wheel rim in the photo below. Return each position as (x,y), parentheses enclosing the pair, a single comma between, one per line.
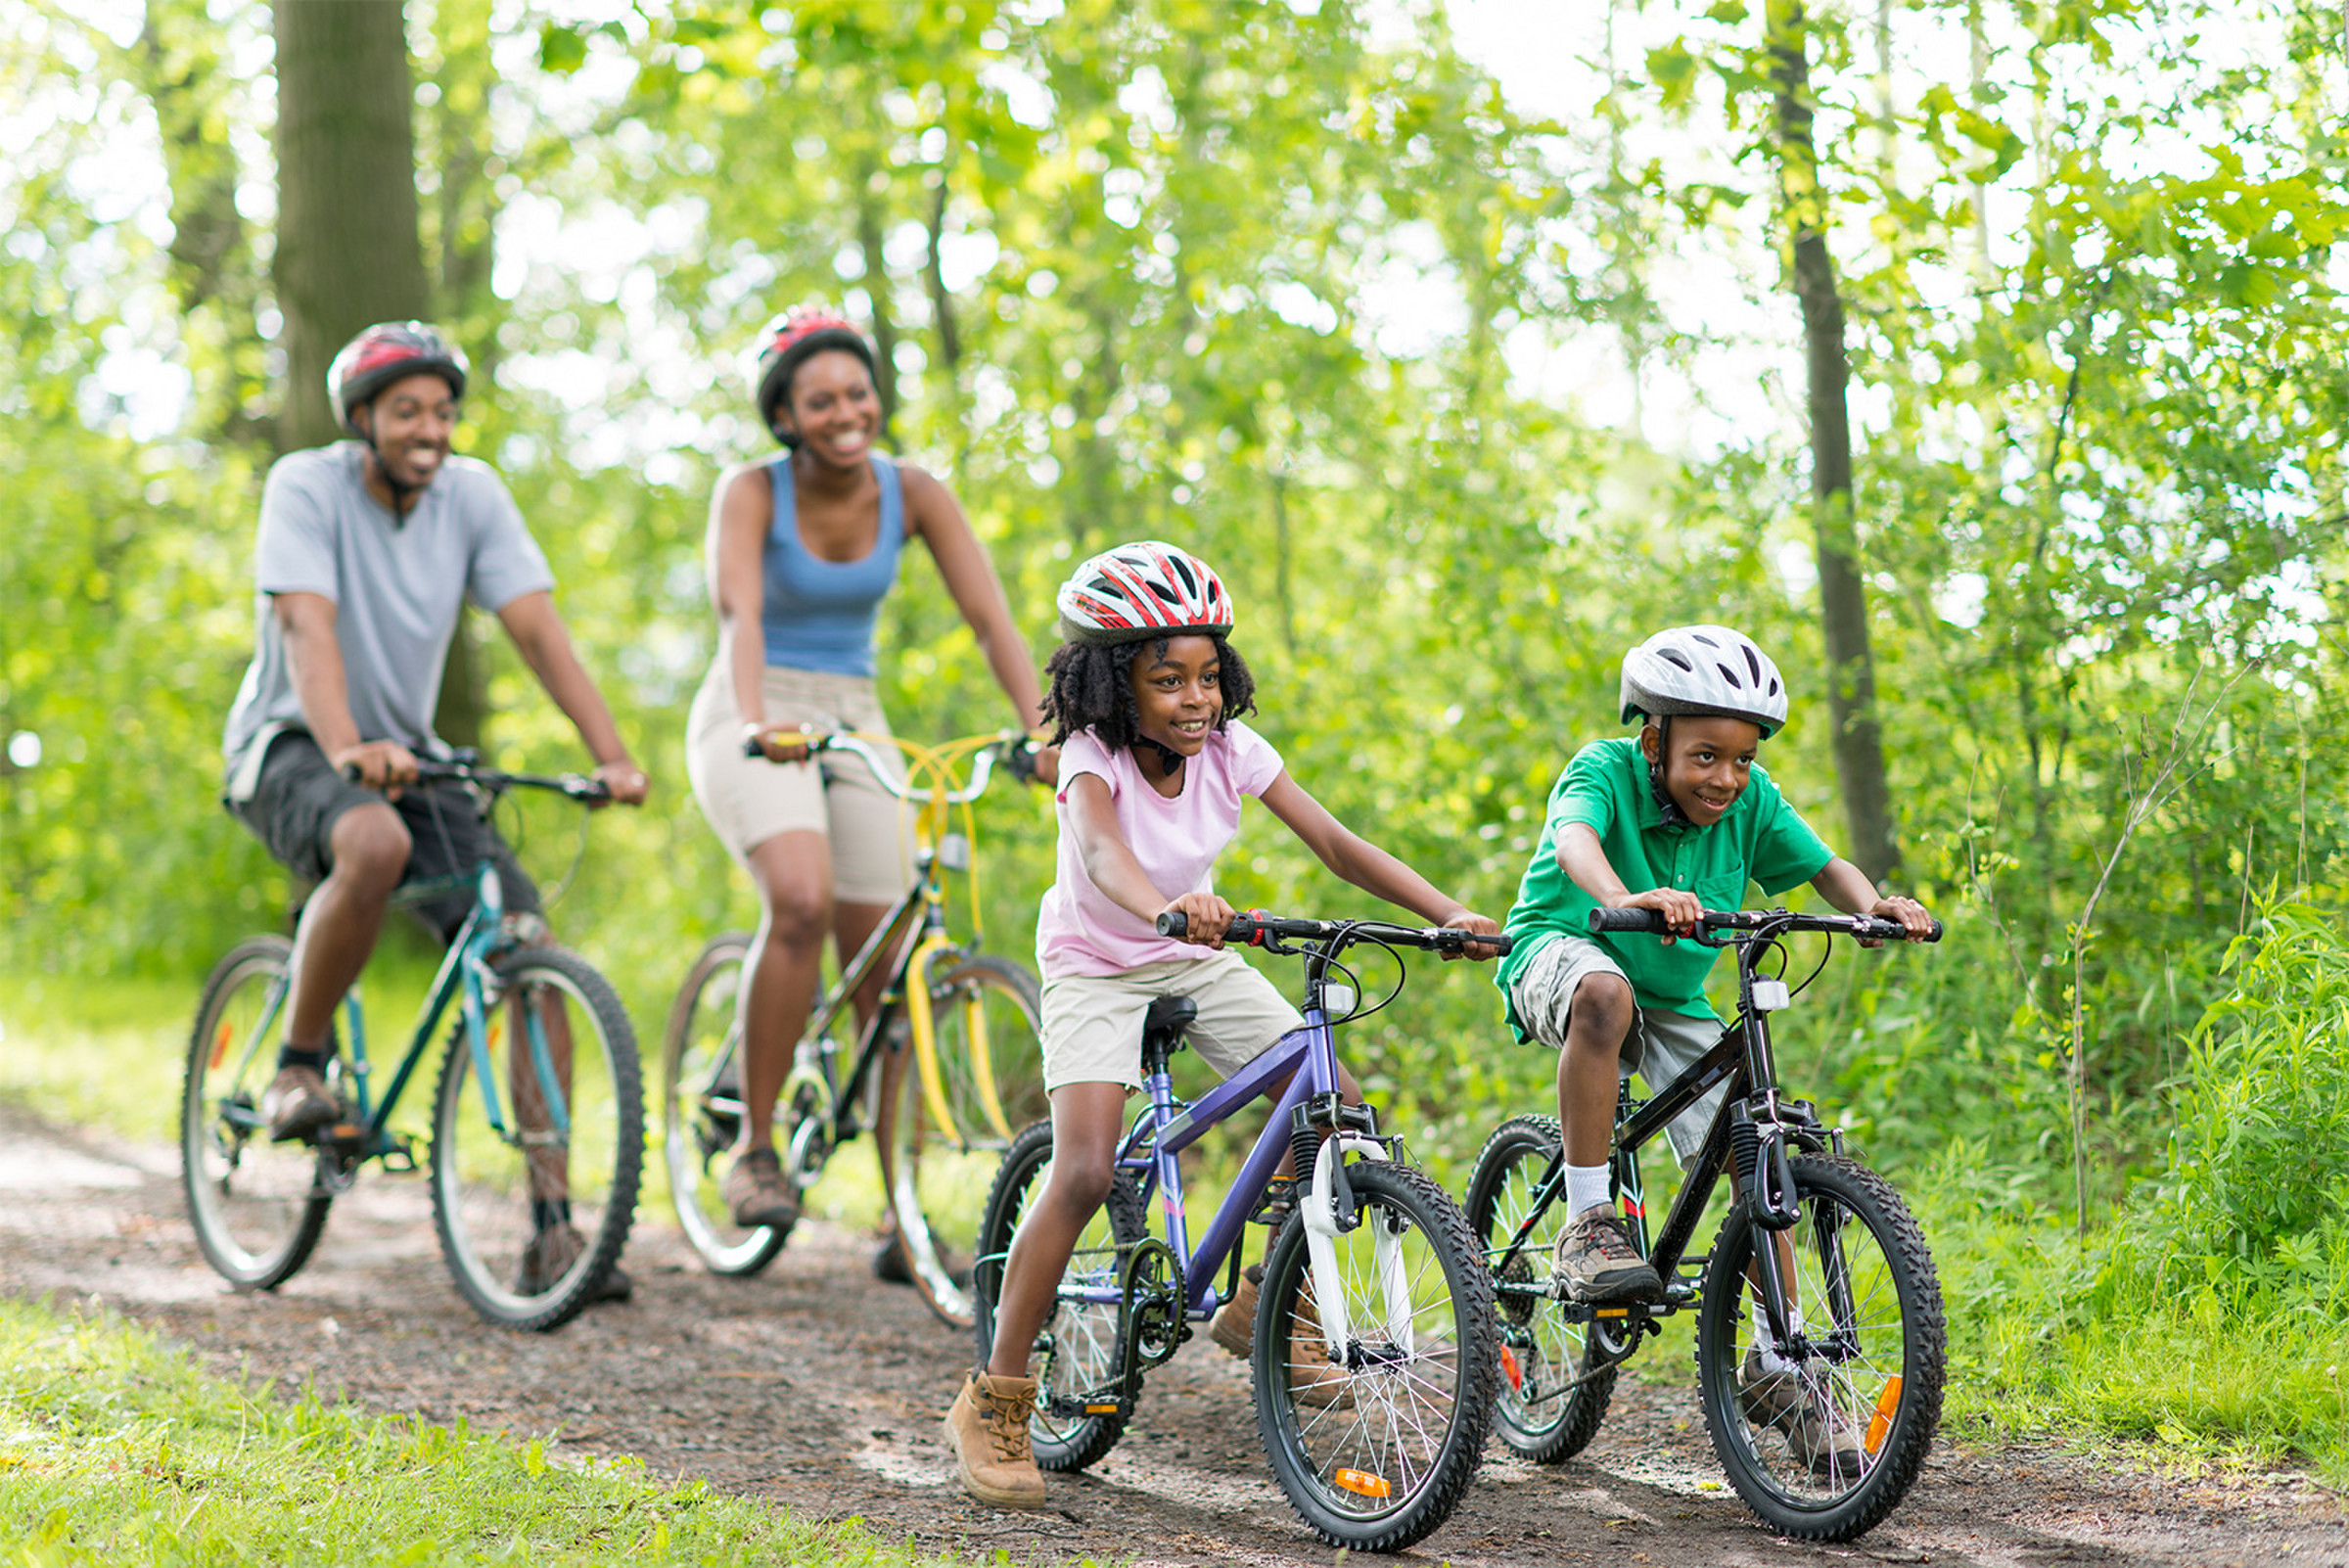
(1541,1349)
(499,1196)
(698,1135)
(249,1195)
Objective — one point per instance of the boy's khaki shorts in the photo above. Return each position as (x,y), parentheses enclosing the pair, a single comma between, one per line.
(1093,1025)
(1659,1046)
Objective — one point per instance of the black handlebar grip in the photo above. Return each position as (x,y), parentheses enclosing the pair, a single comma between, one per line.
(751,748)
(1934,935)
(1627,920)
(353,773)
(1173,923)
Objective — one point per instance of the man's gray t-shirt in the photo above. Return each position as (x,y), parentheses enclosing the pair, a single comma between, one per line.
(398,587)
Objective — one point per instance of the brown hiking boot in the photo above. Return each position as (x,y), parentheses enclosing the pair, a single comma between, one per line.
(1234,1324)
(295,1104)
(755,1189)
(549,1257)
(986,1426)
(1599,1263)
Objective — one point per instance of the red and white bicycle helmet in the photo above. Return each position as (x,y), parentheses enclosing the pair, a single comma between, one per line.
(383,353)
(785,344)
(1703,671)
(1142,590)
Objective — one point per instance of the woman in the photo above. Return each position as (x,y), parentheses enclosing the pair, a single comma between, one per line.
(801,551)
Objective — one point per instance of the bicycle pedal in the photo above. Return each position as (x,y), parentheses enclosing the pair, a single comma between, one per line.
(1078,1406)
(401,1158)
(1278,1204)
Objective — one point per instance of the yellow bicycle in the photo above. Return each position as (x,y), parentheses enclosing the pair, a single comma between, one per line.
(965,1021)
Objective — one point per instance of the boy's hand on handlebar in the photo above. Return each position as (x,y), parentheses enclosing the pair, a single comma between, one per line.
(1209,916)
(382,765)
(1462,919)
(1907,912)
(625,781)
(1681,909)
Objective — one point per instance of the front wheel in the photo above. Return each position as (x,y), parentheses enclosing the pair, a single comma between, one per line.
(1556,1383)
(257,1206)
(536,1161)
(702,1109)
(937,1167)
(1077,1355)
(1824,1443)
(1375,1461)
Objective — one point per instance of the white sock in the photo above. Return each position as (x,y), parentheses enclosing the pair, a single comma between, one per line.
(1768,1342)
(1586,1190)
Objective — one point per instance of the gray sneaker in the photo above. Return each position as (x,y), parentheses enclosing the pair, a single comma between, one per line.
(1816,1433)
(296,1105)
(1596,1259)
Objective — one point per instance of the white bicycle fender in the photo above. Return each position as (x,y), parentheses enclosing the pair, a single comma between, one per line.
(1317,1209)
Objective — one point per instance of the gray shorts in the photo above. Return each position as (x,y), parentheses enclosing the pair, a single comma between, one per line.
(1660,1045)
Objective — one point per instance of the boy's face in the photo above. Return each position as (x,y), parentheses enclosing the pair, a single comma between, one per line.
(1179,694)
(1706,765)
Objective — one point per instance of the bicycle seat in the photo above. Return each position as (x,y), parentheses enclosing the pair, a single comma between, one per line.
(1162,1027)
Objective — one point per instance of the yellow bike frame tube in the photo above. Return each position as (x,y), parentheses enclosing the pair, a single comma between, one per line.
(925,1037)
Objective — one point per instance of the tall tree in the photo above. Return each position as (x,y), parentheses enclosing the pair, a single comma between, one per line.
(1843,595)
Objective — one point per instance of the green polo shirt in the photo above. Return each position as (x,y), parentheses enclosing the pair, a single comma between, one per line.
(1762,839)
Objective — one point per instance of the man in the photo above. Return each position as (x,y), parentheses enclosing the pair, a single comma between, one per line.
(368,550)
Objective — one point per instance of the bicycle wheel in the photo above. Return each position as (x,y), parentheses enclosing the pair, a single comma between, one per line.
(257,1206)
(1542,1410)
(1077,1350)
(1384,1460)
(984,1009)
(701,1108)
(1863,1282)
(534,1204)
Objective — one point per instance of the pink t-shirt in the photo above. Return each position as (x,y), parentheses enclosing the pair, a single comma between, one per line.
(1080,930)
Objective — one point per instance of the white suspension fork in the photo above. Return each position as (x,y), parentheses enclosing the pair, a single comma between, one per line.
(1318,1209)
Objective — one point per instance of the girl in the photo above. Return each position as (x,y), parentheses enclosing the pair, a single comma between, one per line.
(1146,696)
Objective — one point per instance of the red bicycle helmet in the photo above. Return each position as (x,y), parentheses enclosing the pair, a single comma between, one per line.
(785,344)
(1142,590)
(381,355)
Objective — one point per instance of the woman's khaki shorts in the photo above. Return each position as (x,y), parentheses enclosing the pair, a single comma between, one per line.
(749,800)
(1094,1023)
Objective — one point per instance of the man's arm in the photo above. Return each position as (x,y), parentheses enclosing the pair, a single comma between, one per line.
(314,656)
(545,646)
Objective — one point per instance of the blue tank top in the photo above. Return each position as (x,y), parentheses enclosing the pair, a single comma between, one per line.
(819,614)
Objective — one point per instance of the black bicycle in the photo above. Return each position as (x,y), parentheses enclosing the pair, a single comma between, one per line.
(1822,1428)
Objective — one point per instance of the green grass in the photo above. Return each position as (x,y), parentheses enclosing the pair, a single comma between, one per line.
(115,1449)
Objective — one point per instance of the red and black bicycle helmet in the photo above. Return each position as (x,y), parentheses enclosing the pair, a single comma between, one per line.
(1142,590)
(786,342)
(381,355)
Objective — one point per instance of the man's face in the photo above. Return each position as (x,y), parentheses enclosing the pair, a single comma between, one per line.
(1707,764)
(411,421)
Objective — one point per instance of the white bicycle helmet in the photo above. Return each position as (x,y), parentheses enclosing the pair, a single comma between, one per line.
(1703,671)
(1142,590)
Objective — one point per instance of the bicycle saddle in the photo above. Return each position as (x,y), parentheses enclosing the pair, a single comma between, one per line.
(1162,1029)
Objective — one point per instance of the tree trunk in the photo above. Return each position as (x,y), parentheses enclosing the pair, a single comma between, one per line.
(1843,595)
(869,239)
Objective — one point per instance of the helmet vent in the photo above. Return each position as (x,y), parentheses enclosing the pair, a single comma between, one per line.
(1675,656)
(1731,676)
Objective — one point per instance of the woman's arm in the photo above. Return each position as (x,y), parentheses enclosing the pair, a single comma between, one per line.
(1363,863)
(741,512)
(933,513)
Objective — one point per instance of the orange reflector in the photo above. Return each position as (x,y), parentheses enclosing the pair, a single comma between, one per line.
(1612,1312)
(1888,1405)
(1101,1410)
(497,1029)
(1362,1484)
(220,1042)
(1510,1369)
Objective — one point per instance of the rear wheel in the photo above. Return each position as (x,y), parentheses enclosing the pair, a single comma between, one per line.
(1077,1353)
(1378,1462)
(1825,1444)
(1556,1382)
(534,1204)
(257,1206)
(702,1109)
(938,1169)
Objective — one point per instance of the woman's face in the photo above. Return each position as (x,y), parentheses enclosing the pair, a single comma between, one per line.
(1179,694)
(831,407)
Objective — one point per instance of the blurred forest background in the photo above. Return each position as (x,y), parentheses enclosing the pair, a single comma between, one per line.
(1982,358)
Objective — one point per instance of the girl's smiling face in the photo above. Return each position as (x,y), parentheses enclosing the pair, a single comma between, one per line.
(1179,694)
(1706,765)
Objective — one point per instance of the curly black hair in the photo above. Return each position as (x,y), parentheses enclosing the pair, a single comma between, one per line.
(1092,688)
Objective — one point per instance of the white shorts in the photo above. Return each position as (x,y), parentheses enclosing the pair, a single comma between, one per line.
(1659,1046)
(1093,1025)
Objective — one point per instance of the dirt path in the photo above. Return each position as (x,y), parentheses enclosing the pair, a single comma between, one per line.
(821,1389)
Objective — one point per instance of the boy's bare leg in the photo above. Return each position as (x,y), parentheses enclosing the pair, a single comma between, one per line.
(1588,1070)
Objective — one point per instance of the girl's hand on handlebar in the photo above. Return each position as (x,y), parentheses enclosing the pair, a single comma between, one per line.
(1680,910)
(1462,919)
(624,780)
(1907,912)
(382,765)
(1044,766)
(1209,916)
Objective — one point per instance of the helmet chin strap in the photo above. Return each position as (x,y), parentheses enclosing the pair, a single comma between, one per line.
(1670,809)
(401,491)
(1170,761)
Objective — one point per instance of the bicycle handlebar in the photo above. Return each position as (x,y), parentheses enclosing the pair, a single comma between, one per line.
(572,786)
(1014,750)
(1251,930)
(1864,926)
